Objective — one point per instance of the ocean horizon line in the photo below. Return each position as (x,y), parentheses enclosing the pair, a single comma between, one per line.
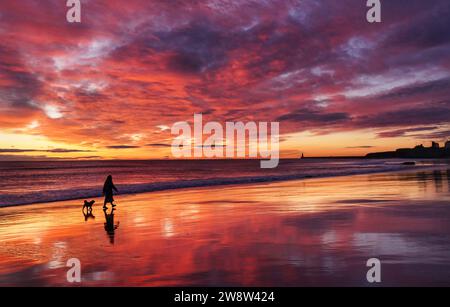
(200,159)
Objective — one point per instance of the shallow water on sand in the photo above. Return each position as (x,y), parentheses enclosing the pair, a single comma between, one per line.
(307,232)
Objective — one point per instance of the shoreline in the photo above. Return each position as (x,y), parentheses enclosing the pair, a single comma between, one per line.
(229,182)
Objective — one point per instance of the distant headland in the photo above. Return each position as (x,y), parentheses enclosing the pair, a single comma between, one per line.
(419,152)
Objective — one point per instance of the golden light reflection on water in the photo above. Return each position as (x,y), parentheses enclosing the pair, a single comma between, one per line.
(291,233)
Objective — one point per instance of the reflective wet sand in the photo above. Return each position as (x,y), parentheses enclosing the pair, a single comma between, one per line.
(316,232)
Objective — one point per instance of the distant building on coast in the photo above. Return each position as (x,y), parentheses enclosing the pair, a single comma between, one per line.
(419,147)
(418,152)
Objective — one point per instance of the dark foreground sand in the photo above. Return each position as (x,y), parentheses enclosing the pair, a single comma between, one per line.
(313,232)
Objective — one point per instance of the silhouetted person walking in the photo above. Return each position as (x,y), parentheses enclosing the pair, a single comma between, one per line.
(108,188)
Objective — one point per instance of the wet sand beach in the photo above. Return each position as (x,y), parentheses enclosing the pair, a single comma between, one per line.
(315,232)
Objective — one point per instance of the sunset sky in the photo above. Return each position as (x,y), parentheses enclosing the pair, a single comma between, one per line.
(112,86)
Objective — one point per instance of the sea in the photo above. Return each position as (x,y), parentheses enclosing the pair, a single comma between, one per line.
(32,182)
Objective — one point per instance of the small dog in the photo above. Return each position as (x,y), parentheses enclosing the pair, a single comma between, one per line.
(88,205)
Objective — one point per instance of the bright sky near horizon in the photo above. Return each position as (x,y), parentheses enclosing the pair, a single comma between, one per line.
(111,86)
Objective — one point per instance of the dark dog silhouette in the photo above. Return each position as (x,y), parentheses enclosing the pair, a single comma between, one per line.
(88,205)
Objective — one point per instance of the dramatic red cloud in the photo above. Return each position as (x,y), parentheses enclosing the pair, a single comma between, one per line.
(132,68)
